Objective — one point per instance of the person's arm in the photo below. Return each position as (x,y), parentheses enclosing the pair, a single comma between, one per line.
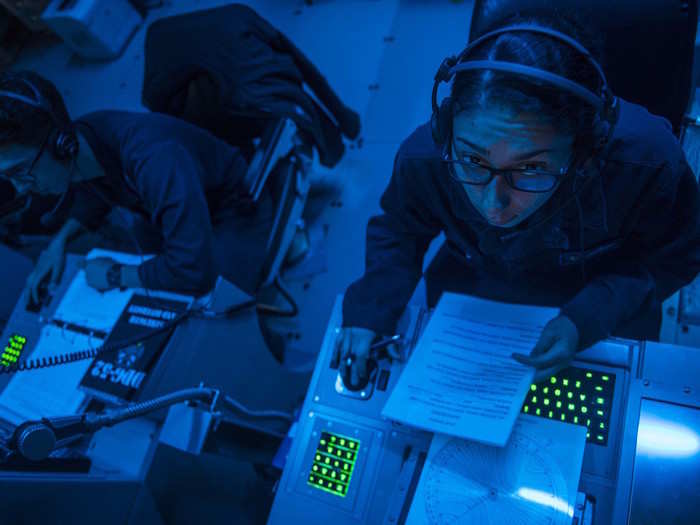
(666,237)
(130,277)
(396,244)
(167,177)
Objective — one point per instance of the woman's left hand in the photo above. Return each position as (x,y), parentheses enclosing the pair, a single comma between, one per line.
(554,350)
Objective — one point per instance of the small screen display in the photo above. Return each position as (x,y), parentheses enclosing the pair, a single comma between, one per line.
(575,395)
(10,355)
(334,462)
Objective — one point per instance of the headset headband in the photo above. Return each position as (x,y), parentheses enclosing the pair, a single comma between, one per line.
(39,101)
(603,102)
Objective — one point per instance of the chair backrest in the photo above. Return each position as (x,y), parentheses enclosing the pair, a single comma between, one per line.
(289,185)
(648,45)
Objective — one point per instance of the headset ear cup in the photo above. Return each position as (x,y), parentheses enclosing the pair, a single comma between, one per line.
(441,122)
(64,144)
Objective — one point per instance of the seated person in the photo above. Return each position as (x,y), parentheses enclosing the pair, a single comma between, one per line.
(177,176)
(606,237)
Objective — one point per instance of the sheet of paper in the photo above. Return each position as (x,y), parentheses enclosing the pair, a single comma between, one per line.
(48,391)
(461,379)
(84,306)
(532,480)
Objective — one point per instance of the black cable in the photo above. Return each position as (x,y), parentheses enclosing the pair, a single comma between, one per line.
(80,355)
(274,310)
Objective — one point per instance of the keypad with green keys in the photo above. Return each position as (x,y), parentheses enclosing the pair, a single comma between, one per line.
(334,462)
(575,395)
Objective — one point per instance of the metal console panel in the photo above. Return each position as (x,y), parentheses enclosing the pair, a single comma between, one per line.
(659,471)
(387,454)
(390,456)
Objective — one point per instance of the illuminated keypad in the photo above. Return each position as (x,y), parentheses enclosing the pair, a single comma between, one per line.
(13,350)
(334,462)
(575,395)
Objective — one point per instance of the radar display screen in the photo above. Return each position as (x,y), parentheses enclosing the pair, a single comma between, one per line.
(575,395)
(334,462)
(13,349)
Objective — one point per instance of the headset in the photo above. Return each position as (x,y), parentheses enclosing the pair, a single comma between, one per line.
(604,102)
(62,140)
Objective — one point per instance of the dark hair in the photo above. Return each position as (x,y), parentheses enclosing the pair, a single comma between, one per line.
(480,89)
(21,123)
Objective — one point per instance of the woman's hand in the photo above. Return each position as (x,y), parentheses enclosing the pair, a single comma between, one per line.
(50,263)
(554,350)
(353,341)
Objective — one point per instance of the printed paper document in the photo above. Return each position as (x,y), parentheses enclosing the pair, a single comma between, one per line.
(461,379)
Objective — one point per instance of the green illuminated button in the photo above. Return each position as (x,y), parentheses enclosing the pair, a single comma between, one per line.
(558,404)
(578,384)
(599,388)
(557,392)
(342,442)
(533,387)
(575,419)
(333,439)
(345,466)
(329,450)
(315,468)
(339,487)
(534,399)
(589,375)
(323,442)
(602,425)
(565,382)
(348,455)
(605,378)
(351,444)
(588,435)
(336,464)
(600,438)
(569,395)
(600,400)
(550,413)
(327,461)
(599,412)
(546,401)
(583,397)
(318,457)
(320,482)
(563,417)
(553,380)
(588,422)
(571,406)
(342,477)
(324,471)
(526,409)
(537,411)
(545,390)
(584,409)
(333,474)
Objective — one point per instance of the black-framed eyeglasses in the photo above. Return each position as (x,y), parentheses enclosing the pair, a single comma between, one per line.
(527,180)
(21,174)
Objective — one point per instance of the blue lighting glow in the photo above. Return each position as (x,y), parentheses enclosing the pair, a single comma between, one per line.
(546,499)
(658,437)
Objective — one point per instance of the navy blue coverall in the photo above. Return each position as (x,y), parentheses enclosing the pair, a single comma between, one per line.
(186,183)
(638,224)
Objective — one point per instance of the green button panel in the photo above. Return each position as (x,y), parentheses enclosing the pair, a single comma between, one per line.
(587,395)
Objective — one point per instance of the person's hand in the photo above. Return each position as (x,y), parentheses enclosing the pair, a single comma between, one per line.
(96,273)
(353,341)
(50,264)
(554,350)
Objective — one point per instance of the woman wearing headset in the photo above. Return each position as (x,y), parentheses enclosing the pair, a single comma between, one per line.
(544,199)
